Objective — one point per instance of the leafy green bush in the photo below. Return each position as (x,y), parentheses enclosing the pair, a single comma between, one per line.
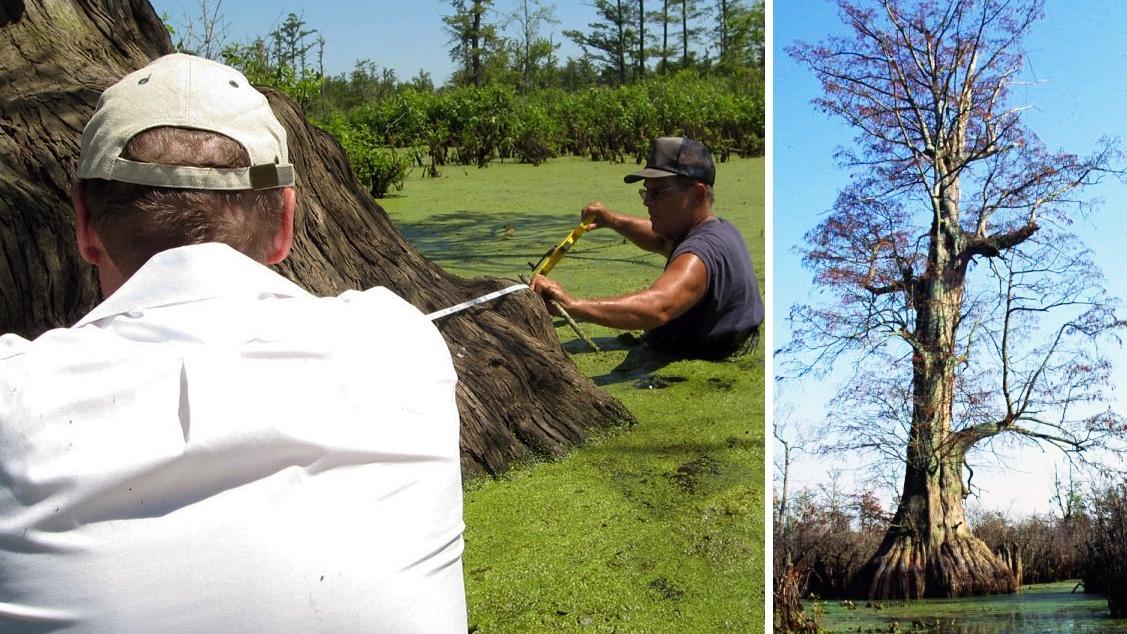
(380,168)
(474,126)
(536,135)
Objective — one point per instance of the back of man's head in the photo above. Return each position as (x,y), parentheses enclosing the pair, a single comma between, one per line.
(183,151)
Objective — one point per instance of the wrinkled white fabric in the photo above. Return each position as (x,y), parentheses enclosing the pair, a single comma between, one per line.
(214,449)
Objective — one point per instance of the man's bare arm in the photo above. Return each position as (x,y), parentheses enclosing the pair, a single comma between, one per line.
(635,229)
(679,288)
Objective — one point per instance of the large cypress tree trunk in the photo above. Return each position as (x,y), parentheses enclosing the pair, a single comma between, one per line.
(519,395)
(929,550)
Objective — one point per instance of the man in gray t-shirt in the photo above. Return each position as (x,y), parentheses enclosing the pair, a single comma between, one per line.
(707,301)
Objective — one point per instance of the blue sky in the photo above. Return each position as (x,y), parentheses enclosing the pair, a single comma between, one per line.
(1074,56)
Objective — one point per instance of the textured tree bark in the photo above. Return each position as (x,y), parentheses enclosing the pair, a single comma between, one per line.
(929,550)
(788,611)
(1010,554)
(519,394)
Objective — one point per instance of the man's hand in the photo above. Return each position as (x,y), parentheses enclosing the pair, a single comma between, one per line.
(600,212)
(550,289)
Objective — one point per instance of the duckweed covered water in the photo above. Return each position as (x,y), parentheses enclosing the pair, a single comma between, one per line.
(1036,609)
(657,382)
(658,528)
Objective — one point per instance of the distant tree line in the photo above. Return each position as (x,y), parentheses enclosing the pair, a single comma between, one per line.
(822,539)
(679,67)
(628,41)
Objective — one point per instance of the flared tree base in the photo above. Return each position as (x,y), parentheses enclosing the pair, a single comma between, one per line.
(906,569)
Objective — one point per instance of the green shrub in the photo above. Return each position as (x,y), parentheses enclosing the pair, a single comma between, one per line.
(536,134)
(379,168)
(474,126)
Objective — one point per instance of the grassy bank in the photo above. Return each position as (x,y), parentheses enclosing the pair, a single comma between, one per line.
(655,529)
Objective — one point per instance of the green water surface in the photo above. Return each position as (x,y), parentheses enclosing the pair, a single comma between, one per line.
(1044,608)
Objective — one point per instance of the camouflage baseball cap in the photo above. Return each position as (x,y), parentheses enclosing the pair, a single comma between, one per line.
(677,156)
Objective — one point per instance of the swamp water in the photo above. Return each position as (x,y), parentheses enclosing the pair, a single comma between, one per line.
(1036,609)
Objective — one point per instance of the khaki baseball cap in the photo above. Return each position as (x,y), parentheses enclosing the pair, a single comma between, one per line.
(185,91)
(677,156)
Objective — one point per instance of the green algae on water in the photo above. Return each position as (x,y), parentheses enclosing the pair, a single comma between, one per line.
(1043,608)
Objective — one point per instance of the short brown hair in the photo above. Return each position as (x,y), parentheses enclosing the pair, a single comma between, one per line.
(689,181)
(135,222)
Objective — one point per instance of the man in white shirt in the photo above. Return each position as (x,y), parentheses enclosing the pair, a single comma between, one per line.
(212,448)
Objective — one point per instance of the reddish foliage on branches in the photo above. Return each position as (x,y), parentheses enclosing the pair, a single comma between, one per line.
(936,242)
(950,277)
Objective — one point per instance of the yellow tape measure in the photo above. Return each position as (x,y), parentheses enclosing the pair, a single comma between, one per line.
(557,252)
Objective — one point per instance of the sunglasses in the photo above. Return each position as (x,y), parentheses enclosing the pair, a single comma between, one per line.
(656,194)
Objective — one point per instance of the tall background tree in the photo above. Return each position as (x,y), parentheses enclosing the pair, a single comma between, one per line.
(290,58)
(642,51)
(976,316)
(663,17)
(690,13)
(536,52)
(293,45)
(203,33)
(739,34)
(610,40)
(473,37)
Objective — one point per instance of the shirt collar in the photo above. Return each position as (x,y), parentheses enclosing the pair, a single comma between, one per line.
(191,273)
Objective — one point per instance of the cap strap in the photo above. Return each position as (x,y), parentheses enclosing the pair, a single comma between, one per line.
(265,176)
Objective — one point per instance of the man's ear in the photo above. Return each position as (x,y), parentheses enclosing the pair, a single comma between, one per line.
(89,242)
(700,191)
(283,237)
